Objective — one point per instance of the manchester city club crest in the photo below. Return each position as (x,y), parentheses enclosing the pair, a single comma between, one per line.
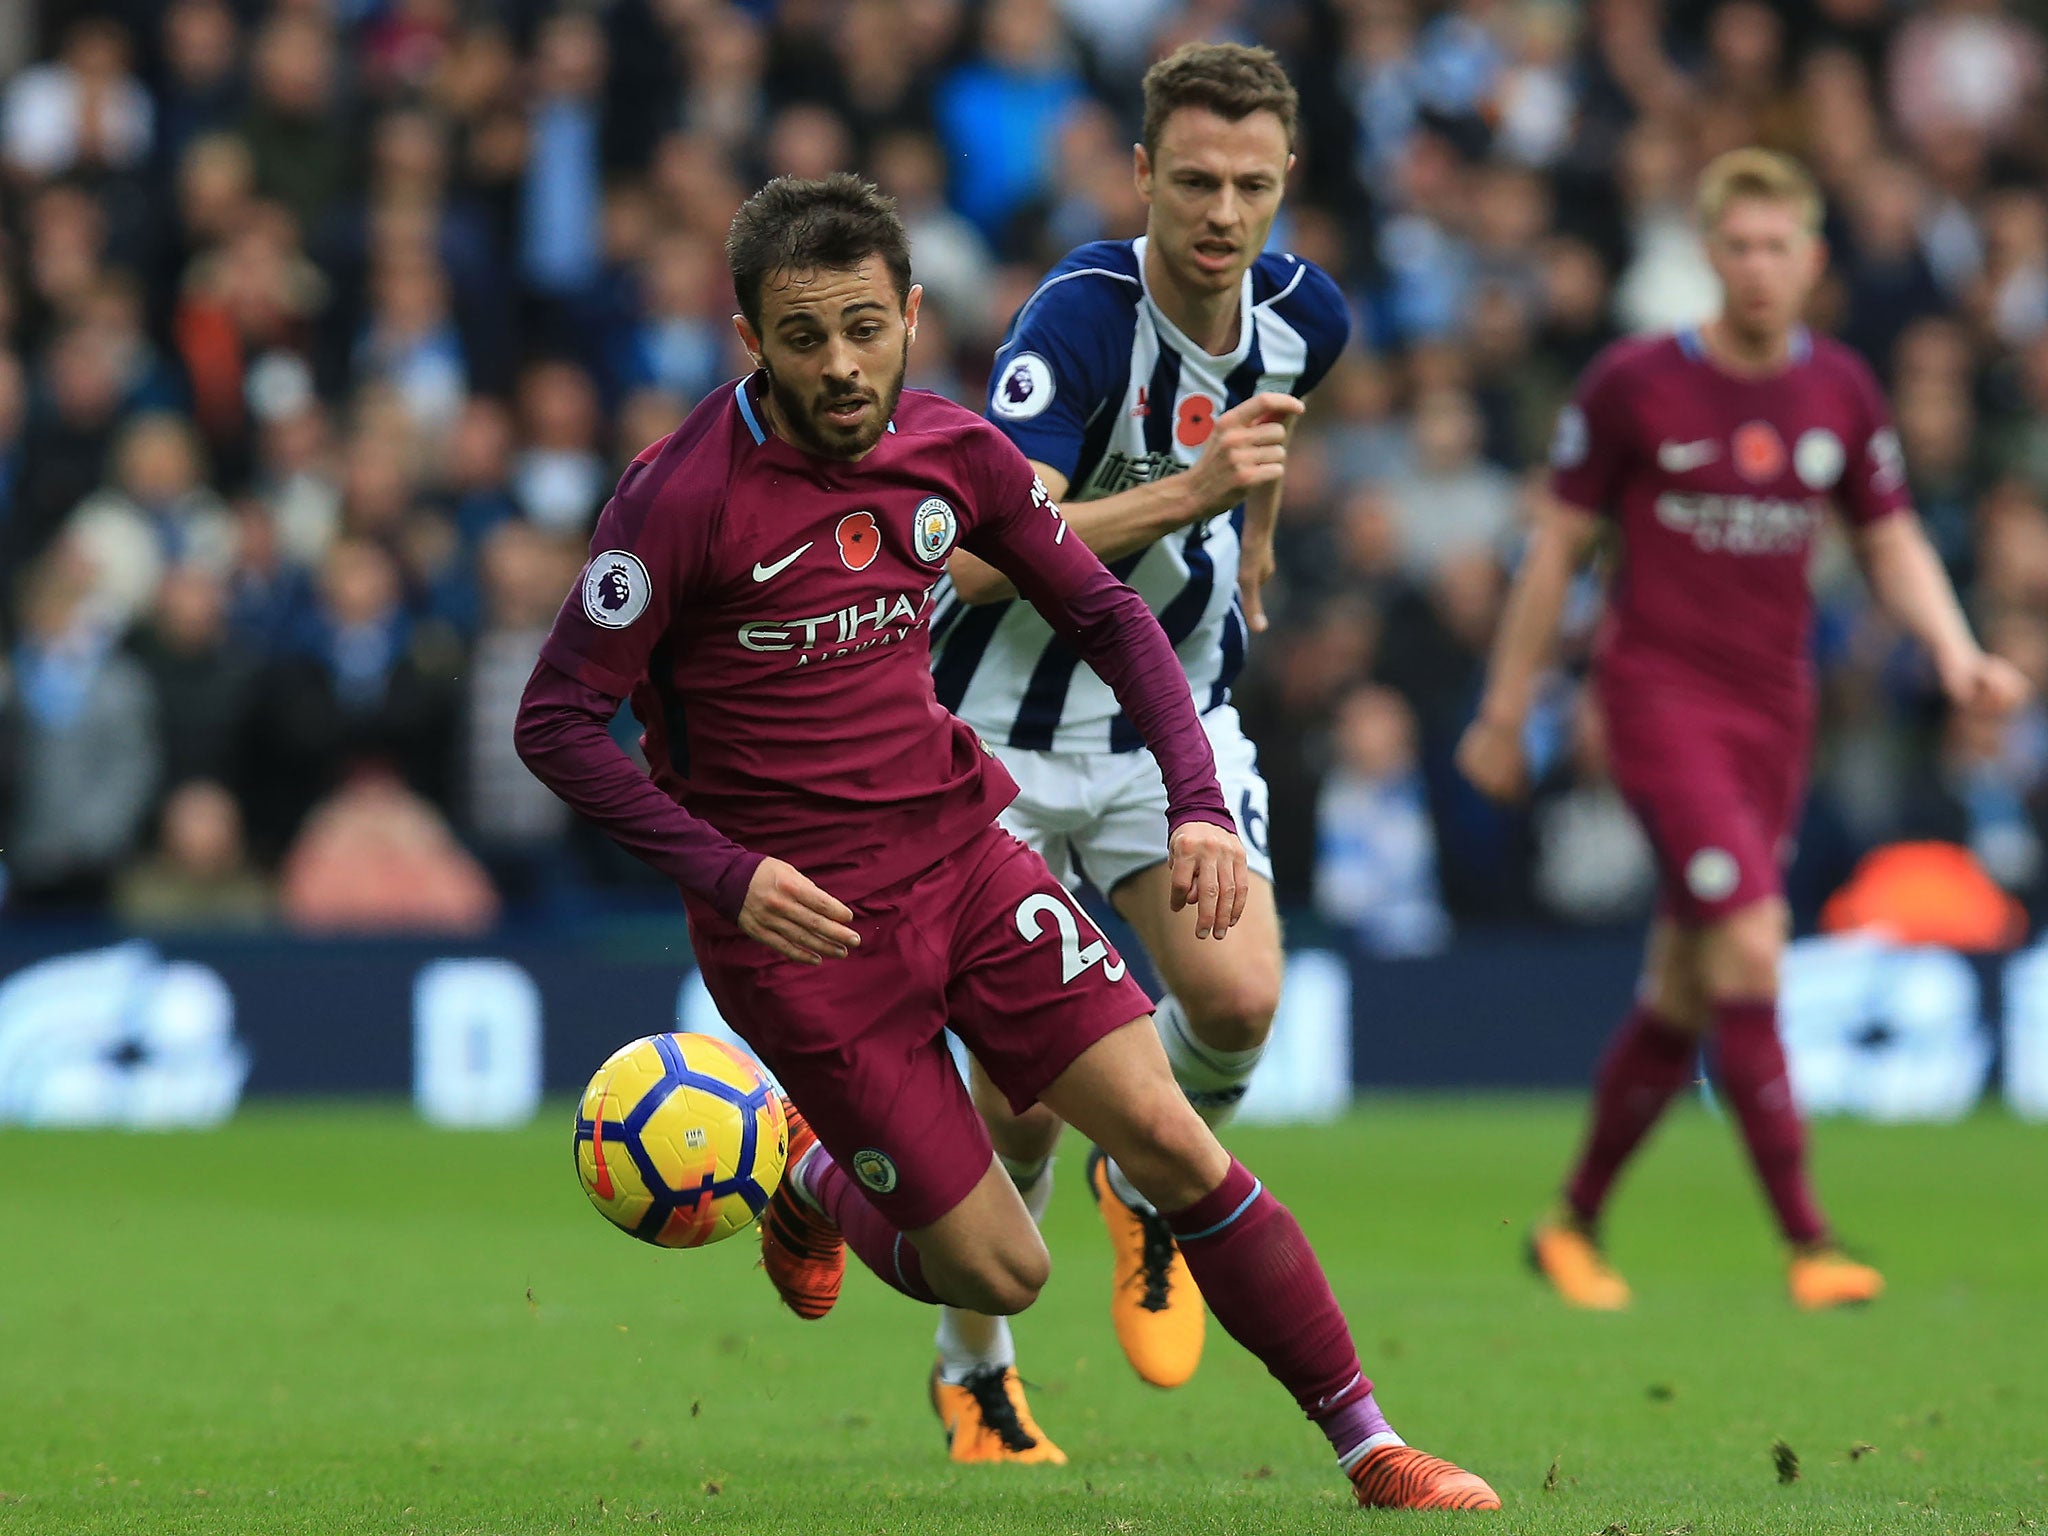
(933,529)
(872,1167)
(1818,457)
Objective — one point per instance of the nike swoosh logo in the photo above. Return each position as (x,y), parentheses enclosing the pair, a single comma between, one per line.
(770,572)
(1677,458)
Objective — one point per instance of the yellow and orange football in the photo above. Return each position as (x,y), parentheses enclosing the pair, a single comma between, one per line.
(680,1140)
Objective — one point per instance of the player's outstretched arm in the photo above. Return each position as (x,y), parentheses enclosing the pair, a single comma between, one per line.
(1910,584)
(564,735)
(1490,752)
(1246,450)
(1120,638)
(1117,635)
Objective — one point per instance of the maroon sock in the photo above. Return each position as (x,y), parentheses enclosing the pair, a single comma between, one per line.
(887,1252)
(1751,1068)
(1261,1279)
(1648,1060)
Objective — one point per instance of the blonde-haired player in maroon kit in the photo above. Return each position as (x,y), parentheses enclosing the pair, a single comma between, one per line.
(1715,454)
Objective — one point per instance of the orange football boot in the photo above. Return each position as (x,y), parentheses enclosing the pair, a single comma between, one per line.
(1823,1276)
(800,1247)
(1564,1253)
(987,1419)
(1401,1477)
(1153,1301)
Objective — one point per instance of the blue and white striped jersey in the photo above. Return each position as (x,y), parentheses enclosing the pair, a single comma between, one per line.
(1095,381)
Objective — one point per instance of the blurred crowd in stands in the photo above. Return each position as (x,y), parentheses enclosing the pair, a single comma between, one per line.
(326,326)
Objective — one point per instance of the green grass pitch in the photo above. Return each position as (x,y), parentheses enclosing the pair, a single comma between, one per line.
(330,1319)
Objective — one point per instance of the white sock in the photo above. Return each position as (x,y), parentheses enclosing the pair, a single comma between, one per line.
(1213,1080)
(967,1341)
(796,1176)
(1367,1446)
(1036,1189)
(1033,1179)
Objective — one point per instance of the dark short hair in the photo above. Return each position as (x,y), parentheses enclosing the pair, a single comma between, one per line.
(1229,79)
(793,225)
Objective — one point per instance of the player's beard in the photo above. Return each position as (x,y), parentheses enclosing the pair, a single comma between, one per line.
(805,417)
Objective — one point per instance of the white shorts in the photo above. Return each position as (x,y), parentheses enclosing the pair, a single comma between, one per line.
(1100,817)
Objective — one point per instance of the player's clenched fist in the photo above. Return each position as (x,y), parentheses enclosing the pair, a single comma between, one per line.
(789,914)
(1208,871)
(1248,447)
(1983,682)
(1490,756)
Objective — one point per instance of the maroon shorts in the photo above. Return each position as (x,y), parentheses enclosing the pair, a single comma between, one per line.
(985,943)
(1718,788)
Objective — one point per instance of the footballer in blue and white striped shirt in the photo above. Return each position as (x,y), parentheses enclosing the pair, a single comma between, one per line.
(1153,383)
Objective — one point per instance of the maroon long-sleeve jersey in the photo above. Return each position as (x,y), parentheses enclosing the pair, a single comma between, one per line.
(1720,484)
(767,611)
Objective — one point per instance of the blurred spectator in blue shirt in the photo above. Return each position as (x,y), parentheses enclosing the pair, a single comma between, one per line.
(1094,195)
(1980,795)
(561,479)
(1385,89)
(1422,245)
(1000,112)
(1458,60)
(559,250)
(410,208)
(269,592)
(156,512)
(953,260)
(1887,281)
(83,728)
(1592,862)
(202,86)
(1122,33)
(1938,431)
(677,341)
(1375,848)
(2010,296)
(298,477)
(411,343)
(477,487)
(355,692)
